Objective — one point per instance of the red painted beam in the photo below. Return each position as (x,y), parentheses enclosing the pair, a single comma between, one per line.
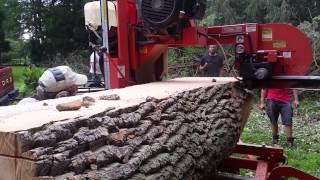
(235,163)
(258,150)
(287,171)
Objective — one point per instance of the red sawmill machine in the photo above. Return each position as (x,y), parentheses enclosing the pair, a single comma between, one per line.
(7,90)
(134,36)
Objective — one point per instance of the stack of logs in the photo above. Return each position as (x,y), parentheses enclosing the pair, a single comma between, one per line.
(185,135)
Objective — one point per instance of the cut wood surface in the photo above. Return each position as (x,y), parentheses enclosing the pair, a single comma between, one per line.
(22,117)
(178,129)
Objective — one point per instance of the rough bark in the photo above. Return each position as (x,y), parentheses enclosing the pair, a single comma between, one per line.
(179,137)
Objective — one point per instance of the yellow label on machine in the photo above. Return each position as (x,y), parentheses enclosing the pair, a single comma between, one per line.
(279,44)
(143,50)
(267,34)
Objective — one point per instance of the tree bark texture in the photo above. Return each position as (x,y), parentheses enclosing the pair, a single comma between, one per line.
(179,137)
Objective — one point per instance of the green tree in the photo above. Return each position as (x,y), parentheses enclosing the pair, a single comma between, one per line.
(64,28)
(31,19)
(221,12)
(304,10)
(312,29)
(11,24)
(4,44)
(56,26)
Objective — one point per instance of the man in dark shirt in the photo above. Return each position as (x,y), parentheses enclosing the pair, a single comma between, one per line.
(212,62)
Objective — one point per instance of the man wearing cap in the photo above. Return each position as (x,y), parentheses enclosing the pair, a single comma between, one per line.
(59,82)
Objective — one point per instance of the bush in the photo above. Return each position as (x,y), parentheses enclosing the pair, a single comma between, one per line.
(312,31)
(183,62)
(30,78)
(78,61)
(17,53)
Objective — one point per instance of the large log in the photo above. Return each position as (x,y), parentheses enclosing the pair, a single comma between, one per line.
(178,129)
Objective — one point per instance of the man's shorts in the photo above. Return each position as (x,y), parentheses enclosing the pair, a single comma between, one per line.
(275,108)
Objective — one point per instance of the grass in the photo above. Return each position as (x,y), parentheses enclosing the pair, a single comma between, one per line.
(18,77)
(306,154)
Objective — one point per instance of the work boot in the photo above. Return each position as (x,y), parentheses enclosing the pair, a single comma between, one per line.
(275,139)
(290,142)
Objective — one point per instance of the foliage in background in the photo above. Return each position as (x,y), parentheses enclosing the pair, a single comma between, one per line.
(17,53)
(312,29)
(261,11)
(78,61)
(4,44)
(52,27)
(11,24)
(183,62)
(302,13)
(17,72)
(30,77)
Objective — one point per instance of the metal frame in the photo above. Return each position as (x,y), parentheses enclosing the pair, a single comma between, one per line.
(268,162)
(6,80)
(272,43)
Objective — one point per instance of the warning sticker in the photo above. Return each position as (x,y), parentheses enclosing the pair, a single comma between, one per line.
(143,50)
(279,44)
(267,34)
(287,55)
(231,29)
(251,28)
(121,71)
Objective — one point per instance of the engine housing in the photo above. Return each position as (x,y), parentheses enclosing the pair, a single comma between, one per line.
(164,13)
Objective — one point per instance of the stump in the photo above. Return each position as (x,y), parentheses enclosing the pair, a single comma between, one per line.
(183,131)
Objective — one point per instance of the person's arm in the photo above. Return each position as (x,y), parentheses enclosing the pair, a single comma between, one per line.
(203,64)
(262,98)
(296,98)
(91,61)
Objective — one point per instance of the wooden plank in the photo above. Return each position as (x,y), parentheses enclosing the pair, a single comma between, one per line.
(25,117)
(8,144)
(16,169)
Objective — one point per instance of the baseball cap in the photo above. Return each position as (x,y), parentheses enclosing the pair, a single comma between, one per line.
(60,78)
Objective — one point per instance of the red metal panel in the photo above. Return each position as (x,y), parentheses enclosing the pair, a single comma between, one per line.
(133,49)
(123,47)
(268,164)
(290,42)
(151,53)
(286,171)
(227,35)
(6,80)
(132,12)
(114,74)
(133,20)
(235,163)
(258,150)
(266,158)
